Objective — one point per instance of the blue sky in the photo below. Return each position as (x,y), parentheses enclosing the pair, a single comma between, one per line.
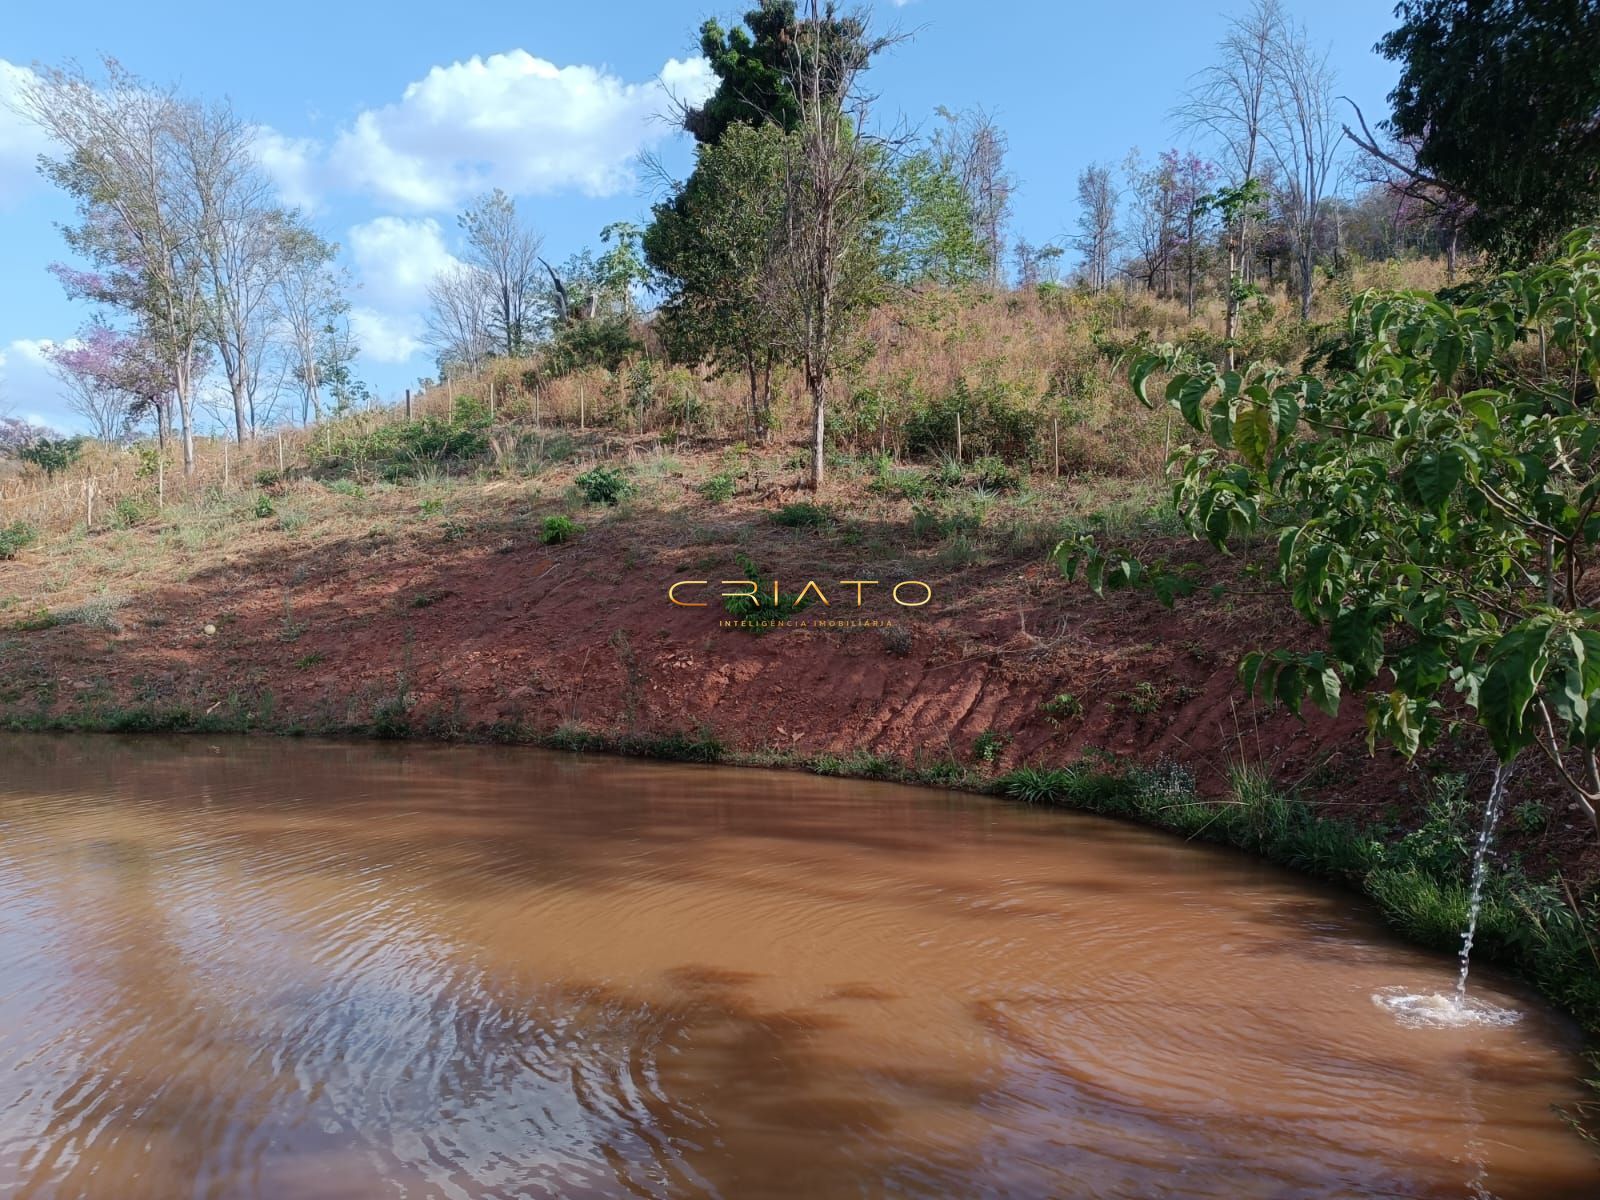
(383,119)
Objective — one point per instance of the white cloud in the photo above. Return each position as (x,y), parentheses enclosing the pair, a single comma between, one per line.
(397,257)
(21,141)
(29,388)
(292,165)
(386,337)
(512,121)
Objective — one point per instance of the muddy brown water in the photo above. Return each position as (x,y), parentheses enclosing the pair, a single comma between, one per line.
(295,969)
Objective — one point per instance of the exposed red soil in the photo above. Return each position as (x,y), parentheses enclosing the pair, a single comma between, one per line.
(496,629)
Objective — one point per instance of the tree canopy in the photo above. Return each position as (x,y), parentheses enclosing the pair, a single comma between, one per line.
(1502,99)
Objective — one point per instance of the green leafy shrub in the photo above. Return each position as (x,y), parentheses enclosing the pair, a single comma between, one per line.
(1063,707)
(399,451)
(604,485)
(997,419)
(52,455)
(719,489)
(995,476)
(130,511)
(803,515)
(989,745)
(769,606)
(264,506)
(559,530)
(16,537)
(346,487)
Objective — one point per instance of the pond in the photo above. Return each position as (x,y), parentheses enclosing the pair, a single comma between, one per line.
(251,968)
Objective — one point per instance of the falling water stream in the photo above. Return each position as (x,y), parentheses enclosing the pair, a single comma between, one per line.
(234,969)
(1480,869)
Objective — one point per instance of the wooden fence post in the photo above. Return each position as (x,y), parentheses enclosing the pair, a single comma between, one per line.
(408,404)
(959,456)
(280,453)
(1055,442)
(161,480)
(226,476)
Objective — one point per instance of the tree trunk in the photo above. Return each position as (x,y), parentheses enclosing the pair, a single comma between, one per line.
(1450,256)
(1230,327)
(817,383)
(1308,274)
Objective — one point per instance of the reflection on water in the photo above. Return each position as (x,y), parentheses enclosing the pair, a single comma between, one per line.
(282,969)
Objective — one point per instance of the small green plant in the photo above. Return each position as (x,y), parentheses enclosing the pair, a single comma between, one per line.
(803,515)
(558,530)
(896,640)
(1530,817)
(346,487)
(432,507)
(264,507)
(993,475)
(306,661)
(604,485)
(1063,707)
(130,511)
(1145,698)
(719,488)
(989,745)
(768,606)
(269,479)
(15,538)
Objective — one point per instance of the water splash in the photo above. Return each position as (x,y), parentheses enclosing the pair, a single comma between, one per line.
(1480,869)
(1434,1010)
(1438,1010)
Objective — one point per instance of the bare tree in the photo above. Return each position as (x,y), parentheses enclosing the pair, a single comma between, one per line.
(1155,224)
(973,147)
(91,395)
(1304,139)
(827,268)
(1232,102)
(506,253)
(1097,223)
(308,300)
(238,232)
(123,165)
(461,302)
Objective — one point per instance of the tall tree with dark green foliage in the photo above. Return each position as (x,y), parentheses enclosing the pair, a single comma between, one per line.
(1503,100)
(711,247)
(756,67)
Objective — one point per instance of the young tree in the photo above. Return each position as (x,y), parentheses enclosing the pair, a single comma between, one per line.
(122,164)
(828,269)
(712,246)
(1097,223)
(1500,101)
(505,253)
(1436,501)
